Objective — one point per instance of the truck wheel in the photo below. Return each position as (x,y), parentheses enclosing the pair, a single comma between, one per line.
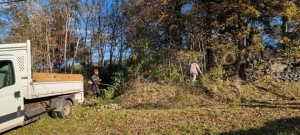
(66,109)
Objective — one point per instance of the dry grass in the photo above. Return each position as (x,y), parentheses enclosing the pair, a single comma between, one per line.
(226,108)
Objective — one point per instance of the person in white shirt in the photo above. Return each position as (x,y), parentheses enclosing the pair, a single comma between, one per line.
(194,68)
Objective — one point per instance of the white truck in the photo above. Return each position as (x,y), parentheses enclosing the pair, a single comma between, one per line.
(27,96)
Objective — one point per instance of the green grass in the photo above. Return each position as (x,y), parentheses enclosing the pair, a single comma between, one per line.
(173,110)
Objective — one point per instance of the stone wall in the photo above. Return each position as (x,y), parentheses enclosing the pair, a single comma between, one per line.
(277,69)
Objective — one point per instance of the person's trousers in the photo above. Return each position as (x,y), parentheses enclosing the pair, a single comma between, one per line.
(95,90)
(193,77)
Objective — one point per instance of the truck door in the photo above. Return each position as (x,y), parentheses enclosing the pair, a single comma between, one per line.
(11,99)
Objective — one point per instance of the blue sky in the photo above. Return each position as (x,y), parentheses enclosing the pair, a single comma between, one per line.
(266,39)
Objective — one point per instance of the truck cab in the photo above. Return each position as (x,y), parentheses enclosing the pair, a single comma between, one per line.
(11,99)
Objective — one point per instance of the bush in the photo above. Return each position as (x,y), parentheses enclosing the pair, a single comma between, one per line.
(116,87)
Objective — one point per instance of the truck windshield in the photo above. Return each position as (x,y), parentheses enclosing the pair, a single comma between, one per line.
(6,74)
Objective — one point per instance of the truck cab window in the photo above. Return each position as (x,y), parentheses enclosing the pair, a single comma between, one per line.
(6,74)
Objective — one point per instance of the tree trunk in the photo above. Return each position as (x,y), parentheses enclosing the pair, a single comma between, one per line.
(75,53)
(283,31)
(68,21)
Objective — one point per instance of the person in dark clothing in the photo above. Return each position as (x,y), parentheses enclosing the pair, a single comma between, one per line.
(57,64)
(95,83)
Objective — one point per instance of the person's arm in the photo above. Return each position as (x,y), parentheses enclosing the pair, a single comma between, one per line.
(94,78)
(97,78)
(199,69)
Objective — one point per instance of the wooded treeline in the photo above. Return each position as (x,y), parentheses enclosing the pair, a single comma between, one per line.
(153,39)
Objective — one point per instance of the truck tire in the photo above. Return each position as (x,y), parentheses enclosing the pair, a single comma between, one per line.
(66,109)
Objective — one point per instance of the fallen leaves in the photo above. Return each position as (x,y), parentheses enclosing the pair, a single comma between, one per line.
(206,117)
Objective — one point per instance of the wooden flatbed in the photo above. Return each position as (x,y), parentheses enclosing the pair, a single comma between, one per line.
(54,77)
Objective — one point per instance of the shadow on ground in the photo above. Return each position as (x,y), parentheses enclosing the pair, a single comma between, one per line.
(267,90)
(289,126)
(292,106)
